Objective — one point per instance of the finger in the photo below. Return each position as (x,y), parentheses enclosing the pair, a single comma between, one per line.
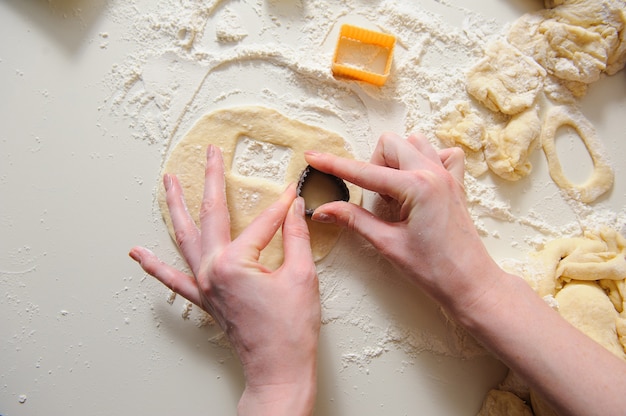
(256,236)
(421,143)
(370,176)
(359,220)
(174,279)
(395,152)
(453,160)
(296,239)
(185,230)
(214,216)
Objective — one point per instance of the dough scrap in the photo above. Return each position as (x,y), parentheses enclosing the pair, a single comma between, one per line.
(540,406)
(507,149)
(575,40)
(498,403)
(566,51)
(249,194)
(598,255)
(586,278)
(552,54)
(505,80)
(464,128)
(601,180)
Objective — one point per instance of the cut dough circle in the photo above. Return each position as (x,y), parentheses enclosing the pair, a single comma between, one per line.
(601,180)
(264,130)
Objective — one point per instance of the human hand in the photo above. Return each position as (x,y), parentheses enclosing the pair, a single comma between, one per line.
(271,318)
(434,242)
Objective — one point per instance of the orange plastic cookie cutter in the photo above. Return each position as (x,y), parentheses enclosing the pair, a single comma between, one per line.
(363,55)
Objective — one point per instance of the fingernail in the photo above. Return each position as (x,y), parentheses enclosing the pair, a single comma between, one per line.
(210,151)
(324,218)
(312,153)
(167,181)
(299,206)
(134,255)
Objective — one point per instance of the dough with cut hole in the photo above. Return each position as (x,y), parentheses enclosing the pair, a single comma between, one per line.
(272,157)
(601,180)
(548,55)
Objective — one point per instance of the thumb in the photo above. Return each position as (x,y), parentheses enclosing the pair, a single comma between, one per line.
(296,238)
(354,218)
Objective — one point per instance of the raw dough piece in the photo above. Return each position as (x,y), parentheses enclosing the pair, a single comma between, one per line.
(498,403)
(539,405)
(551,54)
(601,179)
(505,80)
(266,132)
(507,150)
(464,128)
(601,256)
(566,51)
(576,41)
(597,255)
(586,277)
(586,306)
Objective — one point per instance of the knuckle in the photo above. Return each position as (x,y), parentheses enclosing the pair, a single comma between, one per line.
(296,232)
(181,237)
(206,208)
(206,287)
(222,267)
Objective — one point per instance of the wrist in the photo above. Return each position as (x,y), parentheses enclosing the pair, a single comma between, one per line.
(488,308)
(280,383)
(293,399)
(476,290)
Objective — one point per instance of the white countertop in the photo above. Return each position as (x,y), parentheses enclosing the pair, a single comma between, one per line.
(85,332)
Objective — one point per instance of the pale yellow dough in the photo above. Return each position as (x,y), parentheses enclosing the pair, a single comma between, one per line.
(498,403)
(601,179)
(586,306)
(585,278)
(507,149)
(596,256)
(548,57)
(505,80)
(249,194)
(464,128)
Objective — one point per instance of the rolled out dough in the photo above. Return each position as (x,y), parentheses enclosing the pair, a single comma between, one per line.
(602,178)
(249,187)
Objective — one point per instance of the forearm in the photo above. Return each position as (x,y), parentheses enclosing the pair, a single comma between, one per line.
(572,372)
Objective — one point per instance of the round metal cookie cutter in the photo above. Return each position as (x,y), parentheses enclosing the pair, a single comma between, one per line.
(318,188)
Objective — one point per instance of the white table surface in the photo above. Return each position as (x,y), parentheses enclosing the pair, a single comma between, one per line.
(85,332)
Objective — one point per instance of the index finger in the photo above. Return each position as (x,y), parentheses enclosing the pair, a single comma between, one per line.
(381,179)
(399,153)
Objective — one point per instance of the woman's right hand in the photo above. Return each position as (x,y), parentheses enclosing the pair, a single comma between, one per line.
(434,242)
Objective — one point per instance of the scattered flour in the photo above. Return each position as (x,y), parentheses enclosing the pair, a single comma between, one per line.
(199,56)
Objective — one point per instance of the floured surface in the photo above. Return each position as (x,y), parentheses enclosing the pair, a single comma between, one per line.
(263,152)
(104,94)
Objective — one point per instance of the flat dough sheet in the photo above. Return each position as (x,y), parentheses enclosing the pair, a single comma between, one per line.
(248,194)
